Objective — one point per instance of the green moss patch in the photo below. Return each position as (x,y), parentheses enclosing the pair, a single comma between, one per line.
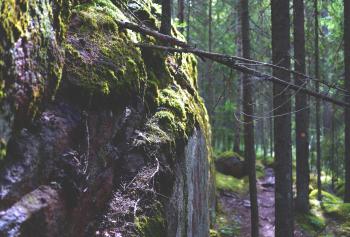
(229,183)
(101,58)
(150,226)
(311,223)
(332,209)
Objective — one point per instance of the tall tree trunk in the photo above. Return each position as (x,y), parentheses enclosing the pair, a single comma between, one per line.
(263,138)
(165,27)
(210,89)
(282,124)
(210,21)
(238,42)
(181,14)
(347,87)
(302,117)
(332,155)
(249,151)
(318,118)
(189,7)
(271,133)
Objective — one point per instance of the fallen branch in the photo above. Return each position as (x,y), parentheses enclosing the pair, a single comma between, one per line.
(176,42)
(232,64)
(143,30)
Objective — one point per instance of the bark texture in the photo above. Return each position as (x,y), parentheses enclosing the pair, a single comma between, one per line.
(282,125)
(347,86)
(249,146)
(302,117)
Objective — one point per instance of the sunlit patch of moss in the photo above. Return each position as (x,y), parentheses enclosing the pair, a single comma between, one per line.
(3,148)
(214,233)
(333,207)
(228,154)
(229,183)
(260,169)
(311,223)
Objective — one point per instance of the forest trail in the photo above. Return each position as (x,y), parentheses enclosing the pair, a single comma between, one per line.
(237,207)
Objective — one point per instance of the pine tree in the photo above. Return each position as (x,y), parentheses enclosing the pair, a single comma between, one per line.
(282,124)
(302,117)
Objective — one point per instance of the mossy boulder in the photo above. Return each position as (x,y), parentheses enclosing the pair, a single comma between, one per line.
(119,132)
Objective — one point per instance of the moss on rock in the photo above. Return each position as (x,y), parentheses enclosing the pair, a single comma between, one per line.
(101,58)
(31,55)
(151,226)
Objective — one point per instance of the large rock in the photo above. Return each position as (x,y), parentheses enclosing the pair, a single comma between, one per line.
(232,166)
(98,137)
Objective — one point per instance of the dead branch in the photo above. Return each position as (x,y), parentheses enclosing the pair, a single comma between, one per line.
(156,34)
(174,41)
(232,64)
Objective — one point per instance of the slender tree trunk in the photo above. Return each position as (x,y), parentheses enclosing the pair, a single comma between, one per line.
(271,134)
(189,7)
(263,138)
(302,117)
(318,118)
(249,152)
(165,27)
(210,22)
(282,124)
(332,155)
(347,86)
(181,14)
(238,42)
(210,89)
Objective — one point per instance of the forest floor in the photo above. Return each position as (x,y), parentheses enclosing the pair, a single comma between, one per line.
(236,209)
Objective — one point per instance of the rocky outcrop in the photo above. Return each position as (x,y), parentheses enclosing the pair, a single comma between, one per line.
(98,137)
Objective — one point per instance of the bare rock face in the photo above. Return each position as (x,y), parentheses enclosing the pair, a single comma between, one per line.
(97,136)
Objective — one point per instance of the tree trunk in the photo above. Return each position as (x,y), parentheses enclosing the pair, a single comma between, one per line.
(318,118)
(210,20)
(189,7)
(347,87)
(249,152)
(302,117)
(165,27)
(332,155)
(238,42)
(271,133)
(181,14)
(282,124)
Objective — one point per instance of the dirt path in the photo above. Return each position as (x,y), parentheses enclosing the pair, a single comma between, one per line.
(237,208)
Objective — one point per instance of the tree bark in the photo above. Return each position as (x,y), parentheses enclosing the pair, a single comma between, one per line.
(238,42)
(249,151)
(189,7)
(181,14)
(282,124)
(318,118)
(347,86)
(210,89)
(165,27)
(302,117)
